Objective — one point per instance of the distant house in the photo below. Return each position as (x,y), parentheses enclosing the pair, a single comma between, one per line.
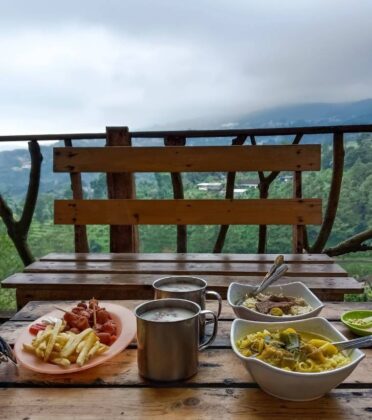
(210,186)
(250,183)
(286,178)
(238,191)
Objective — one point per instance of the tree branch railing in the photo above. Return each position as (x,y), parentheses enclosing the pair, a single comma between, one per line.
(334,194)
(18,230)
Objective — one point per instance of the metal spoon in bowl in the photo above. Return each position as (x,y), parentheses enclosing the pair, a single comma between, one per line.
(357,343)
(267,281)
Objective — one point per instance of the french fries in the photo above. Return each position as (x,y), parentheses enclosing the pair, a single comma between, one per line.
(64,348)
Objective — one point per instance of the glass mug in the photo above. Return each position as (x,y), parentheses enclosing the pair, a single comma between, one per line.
(189,288)
(168,338)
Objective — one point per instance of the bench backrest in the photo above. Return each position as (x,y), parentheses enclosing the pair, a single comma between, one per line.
(122,211)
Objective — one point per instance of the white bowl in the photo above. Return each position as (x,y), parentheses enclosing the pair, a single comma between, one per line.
(237,292)
(293,386)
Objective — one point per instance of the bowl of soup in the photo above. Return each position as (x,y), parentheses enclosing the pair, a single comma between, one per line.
(293,360)
(277,303)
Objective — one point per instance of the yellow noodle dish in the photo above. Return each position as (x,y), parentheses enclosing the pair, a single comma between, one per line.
(293,351)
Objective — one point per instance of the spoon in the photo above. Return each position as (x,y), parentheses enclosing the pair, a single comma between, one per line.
(268,280)
(277,263)
(357,343)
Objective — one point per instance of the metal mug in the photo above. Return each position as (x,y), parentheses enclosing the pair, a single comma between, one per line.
(197,293)
(168,350)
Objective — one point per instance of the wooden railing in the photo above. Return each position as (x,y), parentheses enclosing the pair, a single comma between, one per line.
(123,186)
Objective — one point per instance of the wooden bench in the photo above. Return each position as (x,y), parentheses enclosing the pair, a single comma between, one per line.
(124,273)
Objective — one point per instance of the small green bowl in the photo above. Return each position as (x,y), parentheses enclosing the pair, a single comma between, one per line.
(346,316)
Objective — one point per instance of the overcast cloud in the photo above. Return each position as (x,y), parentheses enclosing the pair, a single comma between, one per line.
(75,66)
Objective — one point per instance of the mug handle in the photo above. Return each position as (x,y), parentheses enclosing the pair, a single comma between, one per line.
(218,297)
(210,340)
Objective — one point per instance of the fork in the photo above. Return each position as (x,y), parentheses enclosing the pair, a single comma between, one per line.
(6,352)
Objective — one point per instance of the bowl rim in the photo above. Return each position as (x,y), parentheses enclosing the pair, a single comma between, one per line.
(353,363)
(320,304)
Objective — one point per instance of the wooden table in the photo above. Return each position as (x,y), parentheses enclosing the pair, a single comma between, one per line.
(221,389)
(130,276)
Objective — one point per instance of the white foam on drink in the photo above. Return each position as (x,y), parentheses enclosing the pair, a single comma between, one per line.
(167,314)
(179,286)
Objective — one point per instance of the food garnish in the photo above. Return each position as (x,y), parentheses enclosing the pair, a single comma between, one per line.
(360,322)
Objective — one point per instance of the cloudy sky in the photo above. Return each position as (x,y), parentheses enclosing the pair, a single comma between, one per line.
(73,66)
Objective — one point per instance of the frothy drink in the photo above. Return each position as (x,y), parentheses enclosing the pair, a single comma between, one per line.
(167,314)
(179,286)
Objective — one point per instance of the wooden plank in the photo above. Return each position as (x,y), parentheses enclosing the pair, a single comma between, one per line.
(188,159)
(256,258)
(216,367)
(183,268)
(189,212)
(123,238)
(35,309)
(177,403)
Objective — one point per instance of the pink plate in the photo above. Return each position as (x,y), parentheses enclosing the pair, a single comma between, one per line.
(125,321)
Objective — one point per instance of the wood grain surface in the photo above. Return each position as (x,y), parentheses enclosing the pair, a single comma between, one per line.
(188,159)
(183,268)
(154,257)
(177,403)
(189,212)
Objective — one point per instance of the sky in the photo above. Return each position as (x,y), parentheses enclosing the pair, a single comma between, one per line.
(79,66)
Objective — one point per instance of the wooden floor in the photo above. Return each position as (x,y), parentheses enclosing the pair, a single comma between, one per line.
(221,388)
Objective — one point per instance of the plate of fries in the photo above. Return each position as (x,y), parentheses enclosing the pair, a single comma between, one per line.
(55,351)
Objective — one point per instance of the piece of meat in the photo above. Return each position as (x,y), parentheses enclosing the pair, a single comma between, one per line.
(109,327)
(102,316)
(266,306)
(104,338)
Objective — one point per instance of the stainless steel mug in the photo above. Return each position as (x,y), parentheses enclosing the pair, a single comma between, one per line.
(189,288)
(168,349)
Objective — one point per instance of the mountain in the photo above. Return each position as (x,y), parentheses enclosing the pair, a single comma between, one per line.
(310,114)
(14,164)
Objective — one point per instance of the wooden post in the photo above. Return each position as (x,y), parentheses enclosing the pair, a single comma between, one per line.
(334,193)
(297,230)
(80,231)
(229,195)
(178,192)
(122,238)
